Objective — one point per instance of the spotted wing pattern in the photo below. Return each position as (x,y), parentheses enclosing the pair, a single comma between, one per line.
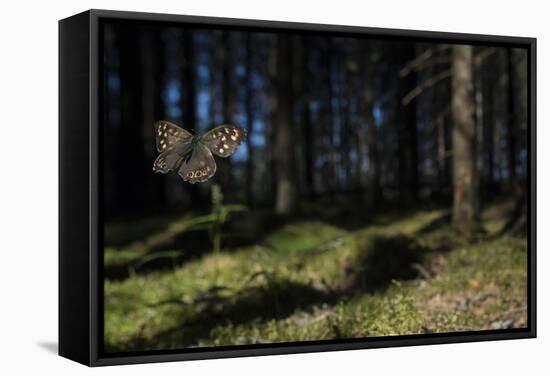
(167,161)
(198,166)
(168,135)
(223,140)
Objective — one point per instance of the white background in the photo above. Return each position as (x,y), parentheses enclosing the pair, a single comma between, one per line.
(28,185)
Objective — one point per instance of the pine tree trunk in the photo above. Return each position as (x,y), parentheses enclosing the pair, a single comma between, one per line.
(249,122)
(329,147)
(512,119)
(273,109)
(488,130)
(189,88)
(189,94)
(439,103)
(130,153)
(367,148)
(224,164)
(408,148)
(308,141)
(152,104)
(466,205)
(285,200)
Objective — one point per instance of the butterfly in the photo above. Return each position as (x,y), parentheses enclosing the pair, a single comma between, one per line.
(191,155)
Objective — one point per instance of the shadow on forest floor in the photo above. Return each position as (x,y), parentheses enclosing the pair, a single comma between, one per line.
(275,300)
(384,259)
(381,260)
(437,224)
(179,245)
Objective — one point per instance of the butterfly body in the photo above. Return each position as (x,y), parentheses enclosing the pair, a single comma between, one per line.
(192,155)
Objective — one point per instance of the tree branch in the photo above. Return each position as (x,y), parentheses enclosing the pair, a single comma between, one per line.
(425,85)
(421,61)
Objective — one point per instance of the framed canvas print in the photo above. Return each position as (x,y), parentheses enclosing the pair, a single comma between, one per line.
(239,187)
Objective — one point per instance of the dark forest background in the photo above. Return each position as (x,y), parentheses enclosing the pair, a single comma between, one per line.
(381,188)
(327,117)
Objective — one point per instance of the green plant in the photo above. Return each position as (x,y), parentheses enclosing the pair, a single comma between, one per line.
(219,215)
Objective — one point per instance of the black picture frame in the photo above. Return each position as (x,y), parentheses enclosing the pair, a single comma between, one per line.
(80,192)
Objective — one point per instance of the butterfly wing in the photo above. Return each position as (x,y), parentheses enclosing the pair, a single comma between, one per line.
(169,134)
(167,161)
(199,167)
(223,140)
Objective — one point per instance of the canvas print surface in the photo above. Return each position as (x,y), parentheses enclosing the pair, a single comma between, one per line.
(263,186)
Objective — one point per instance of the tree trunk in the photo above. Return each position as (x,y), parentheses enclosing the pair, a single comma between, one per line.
(512,119)
(153,109)
(488,129)
(367,148)
(271,128)
(214,61)
(345,126)
(308,135)
(285,201)
(408,145)
(309,151)
(465,169)
(189,94)
(329,147)
(130,153)
(189,109)
(249,121)
(224,164)
(440,108)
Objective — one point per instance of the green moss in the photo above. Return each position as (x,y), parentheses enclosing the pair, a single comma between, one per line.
(113,256)
(302,236)
(312,280)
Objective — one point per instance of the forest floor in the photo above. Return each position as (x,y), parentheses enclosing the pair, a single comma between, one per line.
(314,279)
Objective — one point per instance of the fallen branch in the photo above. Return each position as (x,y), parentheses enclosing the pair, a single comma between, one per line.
(422,271)
(171,232)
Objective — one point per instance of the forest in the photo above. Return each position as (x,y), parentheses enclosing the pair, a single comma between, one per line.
(381,188)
